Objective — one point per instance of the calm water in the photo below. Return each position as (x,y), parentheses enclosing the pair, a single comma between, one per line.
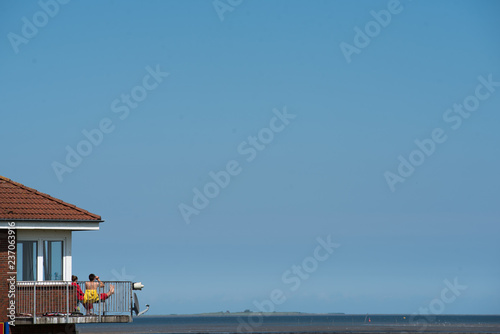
(286,324)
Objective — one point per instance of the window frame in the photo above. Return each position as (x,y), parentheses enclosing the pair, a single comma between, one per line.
(44,260)
(18,263)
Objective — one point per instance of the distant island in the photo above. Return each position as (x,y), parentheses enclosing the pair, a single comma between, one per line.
(243,313)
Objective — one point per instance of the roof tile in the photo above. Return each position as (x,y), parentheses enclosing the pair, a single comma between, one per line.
(18,202)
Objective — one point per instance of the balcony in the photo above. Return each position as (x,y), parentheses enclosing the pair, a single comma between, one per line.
(59,302)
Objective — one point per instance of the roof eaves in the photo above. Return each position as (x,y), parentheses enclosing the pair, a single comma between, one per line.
(52,220)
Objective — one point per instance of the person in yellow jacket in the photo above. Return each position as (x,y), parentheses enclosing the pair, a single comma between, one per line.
(91,296)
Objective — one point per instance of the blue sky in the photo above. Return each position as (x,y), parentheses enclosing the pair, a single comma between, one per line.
(324,173)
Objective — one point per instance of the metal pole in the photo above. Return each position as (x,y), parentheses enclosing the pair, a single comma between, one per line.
(131,302)
(67,302)
(34,303)
(99,301)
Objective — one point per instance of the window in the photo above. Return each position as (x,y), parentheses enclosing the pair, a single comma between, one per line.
(26,260)
(52,260)
(41,260)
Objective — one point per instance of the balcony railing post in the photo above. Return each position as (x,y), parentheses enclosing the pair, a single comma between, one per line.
(34,303)
(131,301)
(100,303)
(67,302)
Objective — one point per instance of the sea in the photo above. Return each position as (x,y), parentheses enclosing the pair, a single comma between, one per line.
(302,323)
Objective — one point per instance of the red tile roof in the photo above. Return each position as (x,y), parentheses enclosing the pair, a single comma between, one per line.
(18,202)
